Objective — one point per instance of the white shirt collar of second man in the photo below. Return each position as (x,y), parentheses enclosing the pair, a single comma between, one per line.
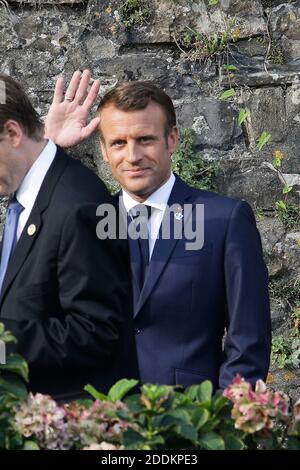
(31,184)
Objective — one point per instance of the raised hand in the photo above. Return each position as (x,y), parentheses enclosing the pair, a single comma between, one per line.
(66,122)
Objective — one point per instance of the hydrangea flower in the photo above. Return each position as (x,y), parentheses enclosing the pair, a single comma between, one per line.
(255,410)
(41,418)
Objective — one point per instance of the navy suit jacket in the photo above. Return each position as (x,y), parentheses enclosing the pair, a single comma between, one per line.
(190,298)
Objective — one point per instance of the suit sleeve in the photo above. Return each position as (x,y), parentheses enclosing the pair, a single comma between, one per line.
(248,340)
(94,300)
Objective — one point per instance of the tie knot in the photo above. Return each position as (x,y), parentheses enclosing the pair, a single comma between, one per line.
(14,206)
(140,210)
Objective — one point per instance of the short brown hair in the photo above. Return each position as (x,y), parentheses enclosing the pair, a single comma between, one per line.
(136,95)
(15,105)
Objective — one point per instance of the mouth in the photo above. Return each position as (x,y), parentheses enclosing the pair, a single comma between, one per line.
(136,171)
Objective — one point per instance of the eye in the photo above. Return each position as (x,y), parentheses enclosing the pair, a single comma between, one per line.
(118,143)
(146,139)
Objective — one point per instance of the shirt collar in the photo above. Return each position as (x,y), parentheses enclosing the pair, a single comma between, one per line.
(31,184)
(157,200)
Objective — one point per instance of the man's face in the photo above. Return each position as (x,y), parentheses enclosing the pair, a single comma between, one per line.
(137,149)
(12,166)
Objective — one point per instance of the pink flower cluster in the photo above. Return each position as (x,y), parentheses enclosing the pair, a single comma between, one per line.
(42,419)
(255,410)
(73,425)
(96,424)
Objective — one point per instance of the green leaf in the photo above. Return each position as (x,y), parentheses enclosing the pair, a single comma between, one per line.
(156,442)
(7,337)
(95,394)
(281,205)
(121,388)
(200,417)
(276,162)
(13,386)
(178,413)
(17,365)
(124,415)
(31,445)
(227,94)
(263,140)
(220,402)
(134,403)
(156,392)
(211,441)
(232,442)
(212,2)
(229,68)
(286,189)
(133,439)
(243,115)
(202,392)
(175,417)
(187,432)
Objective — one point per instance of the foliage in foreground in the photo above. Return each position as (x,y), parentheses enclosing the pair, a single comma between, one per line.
(160,417)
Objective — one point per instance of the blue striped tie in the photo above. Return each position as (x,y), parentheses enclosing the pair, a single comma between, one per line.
(10,235)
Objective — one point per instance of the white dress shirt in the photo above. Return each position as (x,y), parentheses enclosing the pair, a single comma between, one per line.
(31,184)
(158,201)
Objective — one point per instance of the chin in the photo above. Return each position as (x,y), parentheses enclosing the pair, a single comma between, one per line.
(139,193)
(136,188)
(4,191)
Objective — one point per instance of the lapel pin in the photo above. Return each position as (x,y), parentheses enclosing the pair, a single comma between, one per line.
(178,214)
(31,229)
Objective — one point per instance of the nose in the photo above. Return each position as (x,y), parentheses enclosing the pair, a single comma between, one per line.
(134,154)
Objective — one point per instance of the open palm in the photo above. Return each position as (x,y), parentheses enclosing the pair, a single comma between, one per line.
(66,122)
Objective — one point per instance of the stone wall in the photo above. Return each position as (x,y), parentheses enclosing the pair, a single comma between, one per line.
(186,47)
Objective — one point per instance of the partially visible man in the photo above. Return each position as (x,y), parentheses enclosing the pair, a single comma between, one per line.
(184,299)
(65,294)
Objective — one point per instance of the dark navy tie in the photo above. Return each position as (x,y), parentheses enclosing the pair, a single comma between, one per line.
(10,235)
(141,214)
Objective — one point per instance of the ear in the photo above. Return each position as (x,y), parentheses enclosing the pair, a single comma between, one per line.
(14,132)
(173,139)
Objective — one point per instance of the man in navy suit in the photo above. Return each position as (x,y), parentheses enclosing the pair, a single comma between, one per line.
(184,299)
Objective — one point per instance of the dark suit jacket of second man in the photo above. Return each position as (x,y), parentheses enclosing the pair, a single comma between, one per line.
(66,294)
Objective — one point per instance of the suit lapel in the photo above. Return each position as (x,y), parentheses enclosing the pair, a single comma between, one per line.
(163,248)
(35,221)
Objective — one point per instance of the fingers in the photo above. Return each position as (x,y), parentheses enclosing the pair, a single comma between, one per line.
(90,128)
(83,86)
(77,89)
(59,91)
(73,86)
(92,95)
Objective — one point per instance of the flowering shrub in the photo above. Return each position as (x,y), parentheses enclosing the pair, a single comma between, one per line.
(264,415)
(97,424)
(69,426)
(255,410)
(41,418)
(160,417)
